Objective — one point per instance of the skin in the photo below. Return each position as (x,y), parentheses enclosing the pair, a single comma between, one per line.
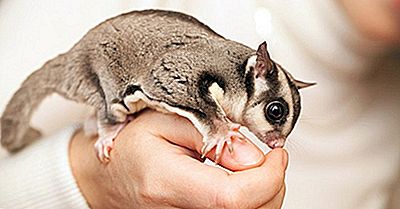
(155,166)
(377,20)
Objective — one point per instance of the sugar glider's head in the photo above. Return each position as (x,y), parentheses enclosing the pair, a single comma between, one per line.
(273,106)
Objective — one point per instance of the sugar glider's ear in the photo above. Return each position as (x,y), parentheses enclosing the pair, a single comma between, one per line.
(263,66)
(300,84)
(263,62)
(303,84)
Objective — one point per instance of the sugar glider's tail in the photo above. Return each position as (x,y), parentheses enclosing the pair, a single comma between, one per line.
(57,75)
(15,129)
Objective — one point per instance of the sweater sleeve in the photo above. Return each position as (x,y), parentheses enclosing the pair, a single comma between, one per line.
(40,176)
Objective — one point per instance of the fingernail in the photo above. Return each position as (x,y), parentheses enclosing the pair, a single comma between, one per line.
(246,154)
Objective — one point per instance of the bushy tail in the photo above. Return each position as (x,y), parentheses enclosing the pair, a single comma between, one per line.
(15,129)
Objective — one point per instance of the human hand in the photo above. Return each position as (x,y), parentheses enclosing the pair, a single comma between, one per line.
(155,166)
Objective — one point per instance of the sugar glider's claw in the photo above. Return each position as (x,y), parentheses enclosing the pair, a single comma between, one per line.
(218,149)
(105,142)
(107,150)
(103,148)
(230,147)
(219,144)
(225,136)
(207,147)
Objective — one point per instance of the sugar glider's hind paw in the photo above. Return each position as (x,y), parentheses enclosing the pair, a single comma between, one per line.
(12,143)
(103,147)
(105,142)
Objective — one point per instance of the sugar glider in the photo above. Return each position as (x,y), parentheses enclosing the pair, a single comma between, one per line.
(170,62)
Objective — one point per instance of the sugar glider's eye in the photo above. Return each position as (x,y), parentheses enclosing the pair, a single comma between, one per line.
(275,111)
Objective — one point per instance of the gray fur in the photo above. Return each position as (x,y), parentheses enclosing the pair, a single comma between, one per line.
(167,55)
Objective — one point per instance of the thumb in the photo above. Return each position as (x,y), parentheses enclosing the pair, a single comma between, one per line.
(262,184)
(245,155)
(180,131)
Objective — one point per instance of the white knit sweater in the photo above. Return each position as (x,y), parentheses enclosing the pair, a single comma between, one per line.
(344,152)
(40,176)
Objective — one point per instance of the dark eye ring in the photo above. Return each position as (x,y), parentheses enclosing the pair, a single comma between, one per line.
(275,111)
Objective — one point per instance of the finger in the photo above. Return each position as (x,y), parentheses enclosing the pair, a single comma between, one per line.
(180,131)
(245,155)
(209,185)
(261,184)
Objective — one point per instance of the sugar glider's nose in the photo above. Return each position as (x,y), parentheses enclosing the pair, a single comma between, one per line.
(277,143)
(274,139)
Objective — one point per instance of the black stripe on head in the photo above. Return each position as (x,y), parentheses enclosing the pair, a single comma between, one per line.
(266,98)
(249,83)
(272,77)
(295,98)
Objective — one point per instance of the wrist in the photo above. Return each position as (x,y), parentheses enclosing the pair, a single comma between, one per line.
(86,169)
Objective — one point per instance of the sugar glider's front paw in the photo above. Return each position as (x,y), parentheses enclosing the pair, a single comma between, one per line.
(225,134)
